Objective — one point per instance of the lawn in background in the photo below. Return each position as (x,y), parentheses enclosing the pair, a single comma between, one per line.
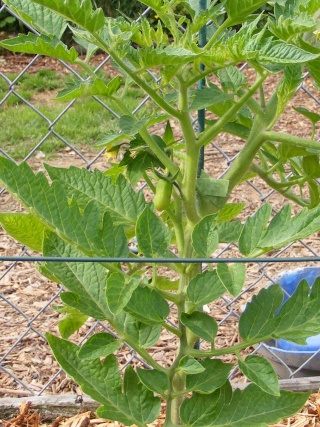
(22,128)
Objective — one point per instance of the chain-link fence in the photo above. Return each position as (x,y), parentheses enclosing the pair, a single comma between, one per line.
(26,298)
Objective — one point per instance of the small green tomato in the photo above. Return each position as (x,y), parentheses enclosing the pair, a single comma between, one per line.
(162,197)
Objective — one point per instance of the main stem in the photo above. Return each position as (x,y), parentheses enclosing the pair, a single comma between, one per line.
(191,217)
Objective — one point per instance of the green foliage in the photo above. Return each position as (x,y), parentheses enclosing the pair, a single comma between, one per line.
(297,310)
(242,409)
(42,19)
(75,213)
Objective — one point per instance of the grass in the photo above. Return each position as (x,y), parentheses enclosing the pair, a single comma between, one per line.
(23,128)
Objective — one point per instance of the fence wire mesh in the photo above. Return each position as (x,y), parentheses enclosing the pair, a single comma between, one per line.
(26,298)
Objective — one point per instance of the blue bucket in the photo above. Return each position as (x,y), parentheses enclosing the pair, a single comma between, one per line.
(287,356)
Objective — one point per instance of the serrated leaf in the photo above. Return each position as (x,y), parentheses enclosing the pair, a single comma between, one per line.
(200,324)
(230,211)
(18,226)
(41,45)
(130,125)
(287,27)
(99,345)
(83,305)
(91,230)
(169,55)
(310,165)
(280,52)
(231,78)
(229,232)
(119,291)
(38,16)
(144,406)
(101,381)
(152,235)
(87,280)
(139,163)
(215,374)
(144,335)
(287,87)
(297,319)
(154,380)
(313,117)
(109,139)
(90,48)
(147,306)
(190,365)
(205,288)
(121,201)
(96,87)
(238,10)
(236,129)
(73,321)
(114,171)
(288,152)
(262,309)
(232,276)
(242,408)
(260,371)
(206,402)
(205,237)
(254,229)
(195,5)
(284,229)
(215,190)
(314,69)
(207,97)
(80,12)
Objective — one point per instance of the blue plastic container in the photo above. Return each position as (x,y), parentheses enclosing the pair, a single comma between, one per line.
(286,356)
(289,280)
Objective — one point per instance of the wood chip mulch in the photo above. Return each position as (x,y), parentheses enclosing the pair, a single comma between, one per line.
(309,416)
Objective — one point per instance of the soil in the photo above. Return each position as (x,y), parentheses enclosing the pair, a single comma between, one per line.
(30,358)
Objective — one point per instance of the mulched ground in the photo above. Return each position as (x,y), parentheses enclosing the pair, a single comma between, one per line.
(31,359)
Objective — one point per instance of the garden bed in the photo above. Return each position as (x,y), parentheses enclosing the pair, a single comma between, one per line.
(31,358)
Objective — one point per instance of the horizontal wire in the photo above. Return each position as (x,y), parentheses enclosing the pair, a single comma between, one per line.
(158,260)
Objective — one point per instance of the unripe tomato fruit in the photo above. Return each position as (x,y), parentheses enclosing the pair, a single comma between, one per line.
(162,197)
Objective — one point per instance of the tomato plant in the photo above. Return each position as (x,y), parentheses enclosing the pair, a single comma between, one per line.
(77,213)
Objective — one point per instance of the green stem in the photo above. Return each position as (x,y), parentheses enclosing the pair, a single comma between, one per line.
(178,229)
(86,68)
(161,155)
(143,132)
(149,182)
(189,185)
(141,351)
(173,330)
(275,166)
(178,379)
(170,297)
(158,99)
(254,105)
(244,159)
(192,81)
(208,135)
(290,139)
(235,349)
(189,182)
(219,31)
(299,181)
(262,97)
(277,186)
